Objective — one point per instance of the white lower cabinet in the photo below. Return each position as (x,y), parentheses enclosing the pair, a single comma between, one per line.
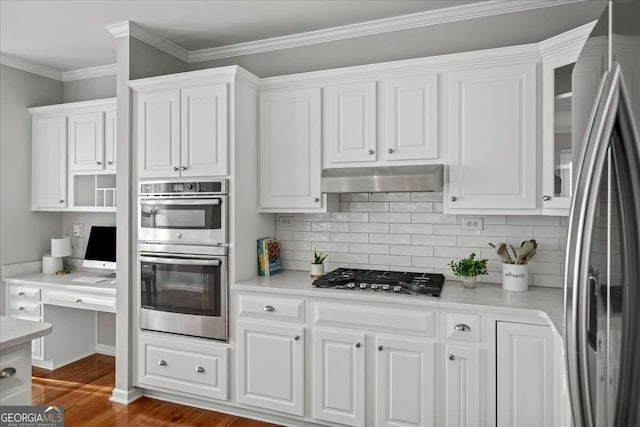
(339,377)
(463,386)
(271,366)
(183,365)
(405,382)
(525,375)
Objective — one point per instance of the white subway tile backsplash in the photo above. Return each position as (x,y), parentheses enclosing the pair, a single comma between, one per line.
(409,232)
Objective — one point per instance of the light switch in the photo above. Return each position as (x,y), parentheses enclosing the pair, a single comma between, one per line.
(472,223)
(78,230)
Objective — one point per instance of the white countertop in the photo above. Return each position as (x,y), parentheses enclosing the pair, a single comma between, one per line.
(546,303)
(64,281)
(18,331)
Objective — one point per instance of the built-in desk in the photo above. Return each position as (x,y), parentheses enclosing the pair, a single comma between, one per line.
(69,306)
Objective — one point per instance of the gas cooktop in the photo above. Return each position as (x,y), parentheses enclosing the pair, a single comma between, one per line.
(385,282)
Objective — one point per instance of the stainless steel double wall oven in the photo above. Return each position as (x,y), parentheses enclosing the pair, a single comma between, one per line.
(182,245)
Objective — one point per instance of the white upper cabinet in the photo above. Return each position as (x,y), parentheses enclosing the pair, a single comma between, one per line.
(49,162)
(86,141)
(204,130)
(290,151)
(158,133)
(351,122)
(412,118)
(110,135)
(492,138)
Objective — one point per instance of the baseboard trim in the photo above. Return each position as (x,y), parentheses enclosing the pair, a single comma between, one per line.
(108,350)
(125,397)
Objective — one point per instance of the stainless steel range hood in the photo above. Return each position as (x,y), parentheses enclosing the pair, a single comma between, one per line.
(382,179)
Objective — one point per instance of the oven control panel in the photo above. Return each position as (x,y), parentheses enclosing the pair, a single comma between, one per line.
(181,187)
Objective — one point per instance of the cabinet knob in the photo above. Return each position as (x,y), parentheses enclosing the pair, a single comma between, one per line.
(176,169)
(109,162)
(78,300)
(199,369)
(546,198)
(20,294)
(370,151)
(179,235)
(162,362)
(7,372)
(61,201)
(390,150)
(183,168)
(269,308)
(380,348)
(452,357)
(20,308)
(358,345)
(316,199)
(462,327)
(297,338)
(98,162)
(454,198)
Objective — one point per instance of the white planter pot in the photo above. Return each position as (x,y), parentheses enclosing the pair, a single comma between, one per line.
(515,277)
(317,270)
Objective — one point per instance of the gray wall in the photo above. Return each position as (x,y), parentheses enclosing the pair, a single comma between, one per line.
(24,235)
(88,89)
(147,61)
(452,37)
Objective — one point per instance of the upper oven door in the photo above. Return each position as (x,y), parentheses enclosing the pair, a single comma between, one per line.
(183,220)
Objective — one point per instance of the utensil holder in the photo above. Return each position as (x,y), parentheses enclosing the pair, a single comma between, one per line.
(515,277)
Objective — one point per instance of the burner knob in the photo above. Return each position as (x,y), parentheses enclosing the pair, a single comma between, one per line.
(351,285)
(363,286)
(397,288)
(374,286)
(385,287)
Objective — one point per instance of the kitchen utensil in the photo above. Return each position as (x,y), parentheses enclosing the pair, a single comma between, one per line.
(526,248)
(503,253)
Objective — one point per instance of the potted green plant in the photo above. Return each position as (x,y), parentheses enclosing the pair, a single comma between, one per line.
(468,269)
(317,266)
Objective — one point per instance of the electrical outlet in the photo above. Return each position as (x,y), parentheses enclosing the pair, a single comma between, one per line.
(472,223)
(78,230)
(285,222)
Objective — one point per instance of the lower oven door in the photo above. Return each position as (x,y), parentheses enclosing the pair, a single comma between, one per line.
(184,294)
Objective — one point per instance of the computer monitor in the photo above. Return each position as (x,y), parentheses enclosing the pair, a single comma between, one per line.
(101,248)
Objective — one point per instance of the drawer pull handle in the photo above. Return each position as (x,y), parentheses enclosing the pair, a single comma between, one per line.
(199,369)
(20,308)
(20,294)
(380,348)
(358,345)
(462,327)
(162,362)
(109,162)
(452,357)
(269,308)
(297,338)
(7,372)
(78,300)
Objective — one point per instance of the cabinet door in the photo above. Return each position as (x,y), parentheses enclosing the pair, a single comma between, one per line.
(492,136)
(49,163)
(463,387)
(86,141)
(339,377)
(271,366)
(351,122)
(204,130)
(290,149)
(412,118)
(110,133)
(404,382)
(525,375)
(157,124)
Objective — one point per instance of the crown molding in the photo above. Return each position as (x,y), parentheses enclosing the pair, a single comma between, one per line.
(76,107)
(31,67)
(90,73)
(572,39)
(128,28)
(397,23)
(226,74)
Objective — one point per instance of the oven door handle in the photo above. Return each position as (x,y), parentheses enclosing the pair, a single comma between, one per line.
(192,202)
(180,261)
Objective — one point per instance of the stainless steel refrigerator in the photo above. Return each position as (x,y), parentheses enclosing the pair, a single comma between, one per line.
(602,276)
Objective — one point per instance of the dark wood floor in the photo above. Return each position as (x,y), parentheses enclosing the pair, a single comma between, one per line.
(84,388)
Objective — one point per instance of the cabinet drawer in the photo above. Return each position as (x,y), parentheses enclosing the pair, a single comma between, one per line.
(272,307)
(80,300)
(463,326)
(24,292)
(24,308)
(379,317)
(179,364)
(16,389)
